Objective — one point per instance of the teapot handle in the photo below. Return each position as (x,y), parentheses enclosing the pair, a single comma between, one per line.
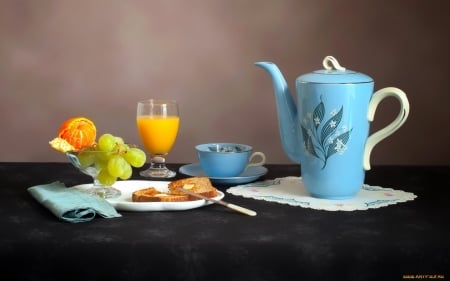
(378,136)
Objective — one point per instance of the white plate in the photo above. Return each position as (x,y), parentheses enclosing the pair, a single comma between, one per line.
(249,175)
(124,203)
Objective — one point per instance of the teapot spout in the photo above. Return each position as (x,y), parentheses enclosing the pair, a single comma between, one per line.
(286,110)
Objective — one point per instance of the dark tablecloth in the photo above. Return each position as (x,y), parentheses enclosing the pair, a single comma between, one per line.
(282,242)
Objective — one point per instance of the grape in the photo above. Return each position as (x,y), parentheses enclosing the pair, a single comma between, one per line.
(117,165)
(86,158)
(106,142)
(135,157)
(101,159)
(119,140)
(127,172)
(105,178)
(122,148)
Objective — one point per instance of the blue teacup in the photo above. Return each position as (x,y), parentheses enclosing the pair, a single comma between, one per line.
(227,159)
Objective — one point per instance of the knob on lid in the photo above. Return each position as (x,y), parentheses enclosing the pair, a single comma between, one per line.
(334,73)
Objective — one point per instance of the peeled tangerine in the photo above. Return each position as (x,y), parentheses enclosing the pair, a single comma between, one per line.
(74,134)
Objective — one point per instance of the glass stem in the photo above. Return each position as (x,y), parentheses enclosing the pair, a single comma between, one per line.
(158,162)
(97,182)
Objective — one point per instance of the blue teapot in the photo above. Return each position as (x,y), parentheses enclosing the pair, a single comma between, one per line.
(327,130)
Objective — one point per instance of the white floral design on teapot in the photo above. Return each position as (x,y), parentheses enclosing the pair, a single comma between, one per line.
(324,139)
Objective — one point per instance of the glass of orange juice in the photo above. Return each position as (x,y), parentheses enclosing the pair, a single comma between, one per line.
(157,123)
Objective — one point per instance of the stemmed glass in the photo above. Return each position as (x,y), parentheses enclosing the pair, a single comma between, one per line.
(86,162)
(157,123)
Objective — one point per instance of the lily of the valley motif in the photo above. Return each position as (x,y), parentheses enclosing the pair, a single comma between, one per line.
(324,139)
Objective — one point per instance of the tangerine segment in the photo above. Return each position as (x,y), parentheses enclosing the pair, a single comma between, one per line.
(61,145)
(74,134)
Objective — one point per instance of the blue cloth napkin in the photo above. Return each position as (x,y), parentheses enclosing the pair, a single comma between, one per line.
(71,204)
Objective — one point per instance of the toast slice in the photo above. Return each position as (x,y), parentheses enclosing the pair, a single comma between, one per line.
(199,185)
(151,194)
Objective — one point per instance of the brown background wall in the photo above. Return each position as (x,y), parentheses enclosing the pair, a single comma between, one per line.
(98,58)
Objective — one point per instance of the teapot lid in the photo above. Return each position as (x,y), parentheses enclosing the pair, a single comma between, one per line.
(334,73)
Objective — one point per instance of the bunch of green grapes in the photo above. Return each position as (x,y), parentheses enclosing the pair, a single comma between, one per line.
(113,158)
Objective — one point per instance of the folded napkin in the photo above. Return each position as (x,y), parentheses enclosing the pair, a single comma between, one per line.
(71,204)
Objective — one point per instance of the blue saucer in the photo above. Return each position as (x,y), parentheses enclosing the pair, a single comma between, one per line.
(249,175)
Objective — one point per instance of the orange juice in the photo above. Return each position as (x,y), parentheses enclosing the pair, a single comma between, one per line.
(158,133)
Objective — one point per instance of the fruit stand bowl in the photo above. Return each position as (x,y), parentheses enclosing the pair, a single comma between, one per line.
(94,164)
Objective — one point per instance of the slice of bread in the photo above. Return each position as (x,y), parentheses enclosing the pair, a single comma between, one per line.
(151,194)
(199,185)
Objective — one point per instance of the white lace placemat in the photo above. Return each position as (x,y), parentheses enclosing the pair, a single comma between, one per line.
(291,191)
